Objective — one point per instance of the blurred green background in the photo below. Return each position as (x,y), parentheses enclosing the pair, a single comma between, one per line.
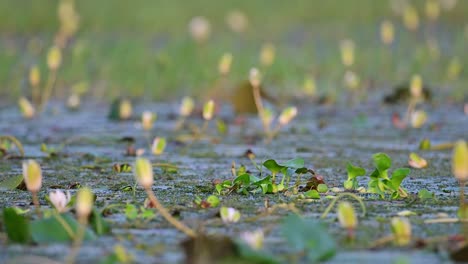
(143,47)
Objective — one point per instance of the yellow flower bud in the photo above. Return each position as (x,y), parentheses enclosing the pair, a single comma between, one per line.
(416,86)
(125,109)
(267,54)
(200,29)
(32,175)
(347,52)
(54,58)
(84,202)
(410,18)
(287,115)
(237,21)
(347,215)
(26,108)
(143,172)
(34,76)
(401,228)
(432,9)
(147,119)
(387,32)
(310,86)
(255,77)
(460,160)
(418,119)
(187,106)
(225,63)
(208,110)
(159,144)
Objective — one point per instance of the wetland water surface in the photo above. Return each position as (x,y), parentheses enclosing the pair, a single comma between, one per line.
(93,146)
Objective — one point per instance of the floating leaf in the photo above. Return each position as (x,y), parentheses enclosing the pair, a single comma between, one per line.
(322,188)
(310,237)
(16,226)
(12,183)
(425,144)
(313,194)
(382,162)
(424,194)
(57,229)
(99,225)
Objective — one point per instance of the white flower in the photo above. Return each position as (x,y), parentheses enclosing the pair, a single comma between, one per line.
(253,239)
(229,215)
(60,200)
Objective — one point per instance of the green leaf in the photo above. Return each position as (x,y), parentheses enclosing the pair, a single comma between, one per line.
(99,225)
(354,171)
(16,226)
(305,235)
(398,176)
(243,179)
(131,212)
(424,194)
(51,230)
(382,162)
(250,255)
(313,194)
(11,183)
(273,166)
(296,163)
(213,200)
(322,188)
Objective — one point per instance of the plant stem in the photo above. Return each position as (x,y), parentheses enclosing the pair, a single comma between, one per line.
(78,240)
(36,204)
(463,209)
(35,94)
(357,198)
(260,109)
(48,90)
(163,211)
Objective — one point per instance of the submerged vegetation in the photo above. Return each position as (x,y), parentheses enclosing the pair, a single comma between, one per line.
(292,141)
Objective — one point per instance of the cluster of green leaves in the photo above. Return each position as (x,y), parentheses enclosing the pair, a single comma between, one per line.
(247,183)
(379,180)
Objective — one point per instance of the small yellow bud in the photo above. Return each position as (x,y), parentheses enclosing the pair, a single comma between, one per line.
(432,9)
(347,52)
(310,86)
(401,228)
(418,119)
(26,108)
(460,161)
(287,115)
(208,110)
(387,32)
(200,29)
(351,80)
(411,18)
(416,161)
(32,175)
(147,119)
(416,86)
(34,76)
(125,109)
(255,77)
(84,202)
(186,107)
(159,144)
(347,215)
(225,64)
(143,172)
(237,21)
(54,58)
(73,101)
(267,54)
